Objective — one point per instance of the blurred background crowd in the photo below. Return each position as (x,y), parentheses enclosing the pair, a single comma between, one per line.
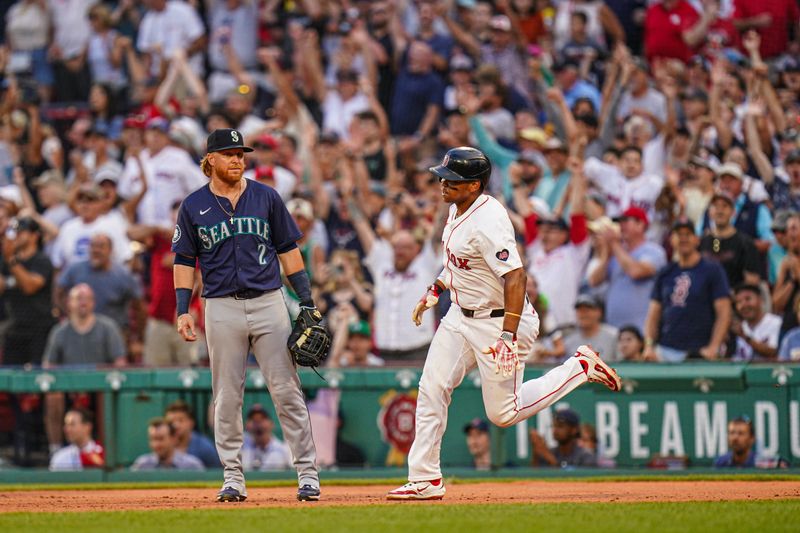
(648,153)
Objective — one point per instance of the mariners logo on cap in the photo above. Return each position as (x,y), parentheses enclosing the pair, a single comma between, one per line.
(226,139)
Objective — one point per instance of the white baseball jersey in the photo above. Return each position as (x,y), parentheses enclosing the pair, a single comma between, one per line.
(622,192)
(171,175)
(396,293)
(559,275)
(176,26)
(479,249)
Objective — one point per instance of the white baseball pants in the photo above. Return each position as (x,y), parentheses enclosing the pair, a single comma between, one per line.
(456,349)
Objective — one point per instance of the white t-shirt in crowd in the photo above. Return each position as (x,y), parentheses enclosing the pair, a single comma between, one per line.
(559,274)
(499,122)
(285,181)
(768,330)
(654,156)
(621,192)
(755,189)
(27,27)
(72,243)
(372,360)
(98,55)
(337,113)
(171,175)
(111,167)
(276,456)
(177,26)
(71,21)
(11,193)
(251,125)
(242,23)
(69,457)
(396,294)
(651,101)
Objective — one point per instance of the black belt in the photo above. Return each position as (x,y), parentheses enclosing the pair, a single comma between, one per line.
(470,313)
(246,294)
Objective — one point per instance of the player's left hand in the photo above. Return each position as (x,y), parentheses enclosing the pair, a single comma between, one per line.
(309,342)
(505,354)
(186,327)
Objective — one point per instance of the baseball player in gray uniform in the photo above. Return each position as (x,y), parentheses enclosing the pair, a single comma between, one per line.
(241,234)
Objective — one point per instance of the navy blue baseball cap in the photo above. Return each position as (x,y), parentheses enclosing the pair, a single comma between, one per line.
(568,416)
(553,220)
(157,123)
(683,223)
(792,157)
(587,300)
(477,423)
(226,139)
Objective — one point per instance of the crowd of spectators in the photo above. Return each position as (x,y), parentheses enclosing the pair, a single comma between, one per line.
(648,154)
(619,135)
(175,446)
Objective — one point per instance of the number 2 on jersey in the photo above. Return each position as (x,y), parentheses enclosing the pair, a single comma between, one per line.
(262,250)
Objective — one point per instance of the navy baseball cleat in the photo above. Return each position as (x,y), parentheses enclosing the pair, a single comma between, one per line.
(229,494)
(307,493)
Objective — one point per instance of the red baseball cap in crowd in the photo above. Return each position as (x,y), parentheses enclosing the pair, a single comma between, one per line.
(265,172)
(635,212)
(266,141)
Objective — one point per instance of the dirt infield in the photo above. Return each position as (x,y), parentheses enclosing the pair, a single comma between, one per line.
(476,493)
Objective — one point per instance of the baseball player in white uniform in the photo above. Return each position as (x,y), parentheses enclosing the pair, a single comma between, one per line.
(491,325)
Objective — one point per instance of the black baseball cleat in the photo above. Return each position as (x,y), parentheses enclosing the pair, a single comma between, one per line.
(229,494)
(307,493)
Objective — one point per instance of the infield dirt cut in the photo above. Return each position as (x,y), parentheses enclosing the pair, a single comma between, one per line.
(477,493)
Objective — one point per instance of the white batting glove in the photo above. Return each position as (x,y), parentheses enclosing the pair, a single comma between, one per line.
(428,300)
(505,354)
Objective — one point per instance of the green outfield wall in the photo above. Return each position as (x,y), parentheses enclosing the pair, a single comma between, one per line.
(667,410)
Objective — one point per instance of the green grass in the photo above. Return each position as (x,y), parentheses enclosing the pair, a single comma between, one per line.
(649,476)
(563,517)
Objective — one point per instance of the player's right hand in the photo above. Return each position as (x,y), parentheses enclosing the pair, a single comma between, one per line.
(186,327)
(428,300)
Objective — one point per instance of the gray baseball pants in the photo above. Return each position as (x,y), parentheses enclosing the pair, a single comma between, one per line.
(261,325)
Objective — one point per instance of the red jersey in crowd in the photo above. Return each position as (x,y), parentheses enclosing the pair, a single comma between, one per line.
(162,289)
(721,34)
(664,28)
(162,304)
(775,37)
(93,455)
